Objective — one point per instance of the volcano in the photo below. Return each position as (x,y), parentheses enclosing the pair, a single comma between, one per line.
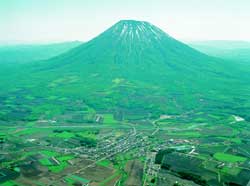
(138,43)
(135,65)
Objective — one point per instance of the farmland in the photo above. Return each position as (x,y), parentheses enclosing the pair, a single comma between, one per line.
(66,142)
(118,151)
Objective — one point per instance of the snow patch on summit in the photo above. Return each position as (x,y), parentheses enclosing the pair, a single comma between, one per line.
(135,30)
(125,27)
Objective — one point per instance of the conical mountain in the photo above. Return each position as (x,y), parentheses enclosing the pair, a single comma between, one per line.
(135,42)
(137,51)
(134,65)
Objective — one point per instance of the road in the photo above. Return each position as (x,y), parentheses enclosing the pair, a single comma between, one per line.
(149,169)
(157,128)
(145,170)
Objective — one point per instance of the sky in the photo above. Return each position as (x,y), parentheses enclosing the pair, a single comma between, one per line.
(67,20)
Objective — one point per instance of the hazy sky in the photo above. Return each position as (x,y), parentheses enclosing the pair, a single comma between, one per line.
(61,20)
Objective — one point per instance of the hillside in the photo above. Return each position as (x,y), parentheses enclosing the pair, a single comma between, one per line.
(26,53)
(231,50)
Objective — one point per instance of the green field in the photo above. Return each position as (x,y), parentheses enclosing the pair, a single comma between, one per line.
(64,135)
(9,183)
(234,171)
(104,163)
(229,158)
(109,119)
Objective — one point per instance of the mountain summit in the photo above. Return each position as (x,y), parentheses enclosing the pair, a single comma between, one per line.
(131,30)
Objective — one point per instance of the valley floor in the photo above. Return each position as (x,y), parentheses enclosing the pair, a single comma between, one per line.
(166,151)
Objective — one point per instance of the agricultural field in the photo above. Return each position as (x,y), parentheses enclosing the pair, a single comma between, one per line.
(158,152)
(67,142)
(63,145)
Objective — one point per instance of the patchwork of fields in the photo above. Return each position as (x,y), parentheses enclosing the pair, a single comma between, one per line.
(109,150)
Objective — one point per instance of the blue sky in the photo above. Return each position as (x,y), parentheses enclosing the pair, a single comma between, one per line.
(64,20)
